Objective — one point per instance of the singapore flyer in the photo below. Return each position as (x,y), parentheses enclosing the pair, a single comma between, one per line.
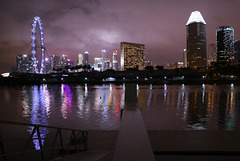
(34,46)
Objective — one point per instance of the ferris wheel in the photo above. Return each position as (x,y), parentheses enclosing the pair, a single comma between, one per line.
(36,21)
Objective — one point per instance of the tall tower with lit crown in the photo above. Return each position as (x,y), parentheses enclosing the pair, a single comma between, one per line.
(196,41)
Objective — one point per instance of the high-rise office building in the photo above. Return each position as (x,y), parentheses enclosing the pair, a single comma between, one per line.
(115,61)
(80,59)
(30,63)
(85,59)
(22,63)
(98,64)
(132,55)
(55,62)
(237,50)
(212,53)
(185,58)
(104,60)
(70,63)
(196,40)
(225,44)
(64,61)
(47,65)
(107,64)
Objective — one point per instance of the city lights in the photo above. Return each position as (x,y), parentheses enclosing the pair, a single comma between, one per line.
(35,21)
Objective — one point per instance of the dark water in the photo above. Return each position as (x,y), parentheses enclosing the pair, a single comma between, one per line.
(164,107)
(84,107)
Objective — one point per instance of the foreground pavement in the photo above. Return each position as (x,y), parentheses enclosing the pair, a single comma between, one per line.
(133,141)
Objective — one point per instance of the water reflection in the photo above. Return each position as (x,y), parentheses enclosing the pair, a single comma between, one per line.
(36,107)
(191,107)
(66,96)
(198,107)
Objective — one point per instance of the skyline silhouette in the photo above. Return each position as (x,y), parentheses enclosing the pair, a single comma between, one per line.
(75,27)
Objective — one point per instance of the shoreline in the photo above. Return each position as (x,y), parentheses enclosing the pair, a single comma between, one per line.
(118,78)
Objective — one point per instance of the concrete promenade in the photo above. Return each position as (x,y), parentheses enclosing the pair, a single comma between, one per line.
(133,141)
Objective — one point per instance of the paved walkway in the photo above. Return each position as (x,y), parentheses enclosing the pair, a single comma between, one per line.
(133,141)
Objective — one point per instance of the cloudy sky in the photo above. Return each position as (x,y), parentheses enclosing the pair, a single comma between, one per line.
(75,26)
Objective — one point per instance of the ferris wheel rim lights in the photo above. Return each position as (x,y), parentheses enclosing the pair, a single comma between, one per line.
(36,21)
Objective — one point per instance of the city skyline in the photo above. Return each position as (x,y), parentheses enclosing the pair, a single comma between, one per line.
(75,27)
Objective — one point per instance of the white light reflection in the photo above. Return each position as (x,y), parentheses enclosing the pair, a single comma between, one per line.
(80,102)
(66,100)
(85,90)
(230,112)
(149,96)
(137,90)
(183,86)
(36,104)
(165,93)
(232,86)
(150,86)
(203,92)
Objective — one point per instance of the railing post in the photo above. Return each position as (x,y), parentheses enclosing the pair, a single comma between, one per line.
(40,142)
(73,138)
(61,140)
(29,140)
(85,140)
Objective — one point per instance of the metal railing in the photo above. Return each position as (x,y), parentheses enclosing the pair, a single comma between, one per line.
(66,141)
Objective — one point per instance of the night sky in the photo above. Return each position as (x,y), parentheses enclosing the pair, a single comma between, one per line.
(75,26)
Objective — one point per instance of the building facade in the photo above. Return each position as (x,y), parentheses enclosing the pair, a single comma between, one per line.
(85,59)
(237,50)
(107,64)
(185,58)
(98,64)
(55,62)
(212,53)
(225,44)
(48,68)
(196,41)
(132,56)
(115,61)
(80,59)
(22,63)
(64,61)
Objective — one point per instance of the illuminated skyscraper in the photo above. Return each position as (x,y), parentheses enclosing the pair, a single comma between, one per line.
(212,53)
(132,55)
(85,59)
(22,63)
(30,63)
(98,64)
(225,44)
(115,61)
(196,40)
(104,60)
(55,62)
(107,64)
(47,65)
(80,59)
(237,50)
(185,58)
(64,61)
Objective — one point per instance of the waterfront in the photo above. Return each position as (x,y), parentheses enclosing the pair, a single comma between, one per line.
(97,107)
(178,110)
